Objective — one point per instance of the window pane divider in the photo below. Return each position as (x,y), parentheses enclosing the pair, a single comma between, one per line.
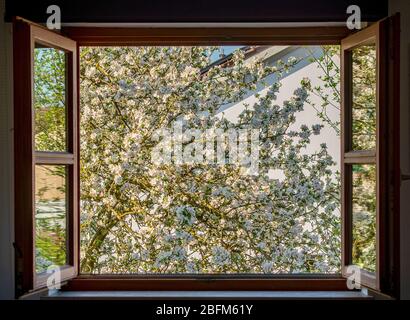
(54,158)
(42,157)
(362,156)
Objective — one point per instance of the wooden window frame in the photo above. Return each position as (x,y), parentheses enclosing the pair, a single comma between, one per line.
(118,36)
(26,36)
(385,156)
(350,157)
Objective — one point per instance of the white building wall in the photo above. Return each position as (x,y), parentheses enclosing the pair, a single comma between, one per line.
(308,116)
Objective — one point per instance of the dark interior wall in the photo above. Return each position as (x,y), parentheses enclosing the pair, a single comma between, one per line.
(183,11)
(197,10)
(6,162)
(403,6)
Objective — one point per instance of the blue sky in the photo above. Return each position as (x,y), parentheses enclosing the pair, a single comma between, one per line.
(226,50)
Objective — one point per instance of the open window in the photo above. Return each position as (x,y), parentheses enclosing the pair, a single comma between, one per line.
(46,163)
(370,175)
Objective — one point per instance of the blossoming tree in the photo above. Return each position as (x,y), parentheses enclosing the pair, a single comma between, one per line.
(138,216)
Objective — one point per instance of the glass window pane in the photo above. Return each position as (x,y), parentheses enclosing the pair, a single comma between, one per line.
(50,99)
(364,97)
(364,216)
(50,219)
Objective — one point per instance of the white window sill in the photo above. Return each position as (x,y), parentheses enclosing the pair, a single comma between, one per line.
(207,295)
